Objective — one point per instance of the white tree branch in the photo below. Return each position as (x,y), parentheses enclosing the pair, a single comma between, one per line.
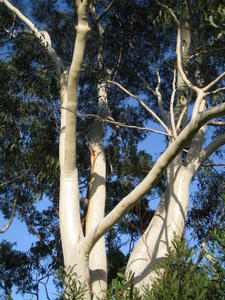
(44,41)
(120,124)
(216,91)
(135,196)
(151,112)
(5,228)
(214,82)
(216,123)
(183,112)
(206,152)
(178,48)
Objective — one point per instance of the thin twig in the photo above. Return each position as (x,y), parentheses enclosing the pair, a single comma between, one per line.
(103,14)
(213,165)
(120,124)
(214,82)
(197,51)
(216,91)
(12,180)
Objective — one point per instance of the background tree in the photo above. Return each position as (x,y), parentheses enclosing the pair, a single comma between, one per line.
(146,68)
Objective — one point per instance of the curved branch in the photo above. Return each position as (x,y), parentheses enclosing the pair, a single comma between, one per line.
(104,12)
(4,229)
(43,38)
(178,48)
(216,123)
(216,91)
(148,182)
(206,153)
(214,82)
(142,104)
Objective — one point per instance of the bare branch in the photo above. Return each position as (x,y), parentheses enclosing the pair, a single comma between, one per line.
(178,48)
(197,51)
(216,123)
(4,229)
(120,124)
(206,152)
(148,87)
(216,91)
(142,104)
(104,13)
(213,165)
(214,82)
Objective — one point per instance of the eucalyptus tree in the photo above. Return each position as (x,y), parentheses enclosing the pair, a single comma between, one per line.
(151,53)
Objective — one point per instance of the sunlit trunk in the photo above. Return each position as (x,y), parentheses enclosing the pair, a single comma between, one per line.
(168,221)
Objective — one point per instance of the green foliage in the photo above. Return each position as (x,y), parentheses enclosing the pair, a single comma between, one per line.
(74,289)
(15,269)
(144,35)
(183,275)
(122,288)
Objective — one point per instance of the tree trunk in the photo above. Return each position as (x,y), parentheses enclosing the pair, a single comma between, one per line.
(97,197)
(169,220)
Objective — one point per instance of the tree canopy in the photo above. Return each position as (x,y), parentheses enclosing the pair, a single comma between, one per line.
(132,55)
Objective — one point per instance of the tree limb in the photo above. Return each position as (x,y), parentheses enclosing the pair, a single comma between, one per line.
(148,182)
(178,48)
(142,104)
(216,91)
(206,152)
(103,14)
(120,124)
(214,82)
(216,123)
(42,39)
(4,229)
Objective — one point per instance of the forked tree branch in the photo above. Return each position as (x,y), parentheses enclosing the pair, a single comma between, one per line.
(206,153)
(214,82)
(151,112)
(178,48)
(148,182)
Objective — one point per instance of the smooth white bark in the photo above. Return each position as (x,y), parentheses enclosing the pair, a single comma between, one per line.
(168,220)
(96,207)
